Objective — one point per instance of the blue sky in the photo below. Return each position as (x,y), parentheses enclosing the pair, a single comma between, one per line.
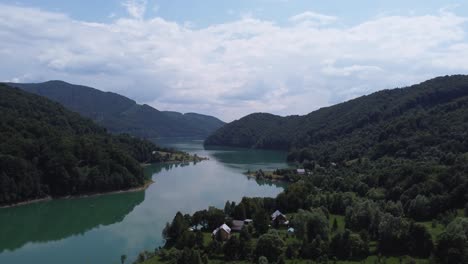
(206,12)
(232,58)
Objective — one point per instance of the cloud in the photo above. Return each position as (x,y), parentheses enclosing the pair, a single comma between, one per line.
(235,68)
(136,8)
(313,18)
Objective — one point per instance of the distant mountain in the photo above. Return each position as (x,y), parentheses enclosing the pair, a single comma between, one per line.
(120,114)
(47,150)
(428,119)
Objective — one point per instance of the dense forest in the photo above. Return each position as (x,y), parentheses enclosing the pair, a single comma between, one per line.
(46,150)
(120,114)
(385,180)
(431,113)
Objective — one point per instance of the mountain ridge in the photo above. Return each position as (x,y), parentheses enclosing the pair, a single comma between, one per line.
(355,128)
(120,114)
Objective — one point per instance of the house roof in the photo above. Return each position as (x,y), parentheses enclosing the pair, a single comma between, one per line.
(276,214)
(224,227)
(237,225)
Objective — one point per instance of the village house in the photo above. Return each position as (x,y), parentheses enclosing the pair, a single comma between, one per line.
(277,218)
(301,171)
(222,233)
(237,225)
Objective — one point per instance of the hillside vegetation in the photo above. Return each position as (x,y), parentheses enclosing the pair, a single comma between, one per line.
(46,150)
(425,119)
(120,114)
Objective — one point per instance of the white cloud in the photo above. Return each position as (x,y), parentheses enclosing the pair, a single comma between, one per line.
(234,68)
(136,8)
(313,18)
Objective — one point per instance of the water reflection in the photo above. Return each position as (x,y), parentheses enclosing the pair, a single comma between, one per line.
(100,229)
(58,219)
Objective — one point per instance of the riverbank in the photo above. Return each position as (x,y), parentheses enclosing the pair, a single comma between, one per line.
(274,176)
(50,198)
(193,158)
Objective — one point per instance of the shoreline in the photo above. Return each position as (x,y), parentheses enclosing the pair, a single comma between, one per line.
(199,159)
(50,198)
(136,189)
(273,179)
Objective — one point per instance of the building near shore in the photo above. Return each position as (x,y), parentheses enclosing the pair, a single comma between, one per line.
(222,233)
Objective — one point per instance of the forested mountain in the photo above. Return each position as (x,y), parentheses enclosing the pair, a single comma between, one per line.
(385,179)
(406,122)
(120,114)
(48,150)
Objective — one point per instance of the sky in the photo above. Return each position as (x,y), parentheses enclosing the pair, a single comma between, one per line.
(233,58)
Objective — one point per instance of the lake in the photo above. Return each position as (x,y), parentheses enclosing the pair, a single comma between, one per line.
(100,229)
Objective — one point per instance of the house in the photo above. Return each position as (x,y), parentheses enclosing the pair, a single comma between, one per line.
(300,171)
(291,230)
(222,233)
(278,218)
(237,225)
(248,221)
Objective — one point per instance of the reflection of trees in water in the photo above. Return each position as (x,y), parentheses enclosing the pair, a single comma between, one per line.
(247,156)
(270,183)
(59,219)
(158,167)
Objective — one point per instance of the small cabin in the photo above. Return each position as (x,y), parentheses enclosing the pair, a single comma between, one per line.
(222,233)
(301,171)
(279,218)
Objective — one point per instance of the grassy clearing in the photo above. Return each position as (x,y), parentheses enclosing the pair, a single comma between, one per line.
(433,230)
(340,220)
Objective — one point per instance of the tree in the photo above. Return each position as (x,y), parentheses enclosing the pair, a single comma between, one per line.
(174,231)
(232,249)
(335,225)
(215,218)
(419,241)
(123,258)
(261,221)
(229,208)
(262,260)
(309,224)
(239,212)
(393,235)
(349,246)
(270,245)
(189,256)
(452,244)
(419,208)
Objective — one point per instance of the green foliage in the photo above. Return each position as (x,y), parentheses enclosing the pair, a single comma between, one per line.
(46,150)
(261,221)
(271,246)
(122,115)
(349,246)
(232,249)
(177,233)
(452,245)
(407,145)
(310,224)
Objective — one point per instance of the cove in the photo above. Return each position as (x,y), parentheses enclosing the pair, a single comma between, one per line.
(99,229)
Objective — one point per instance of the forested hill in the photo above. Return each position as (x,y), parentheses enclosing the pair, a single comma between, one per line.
(120,114)
(405,122)
(46,150)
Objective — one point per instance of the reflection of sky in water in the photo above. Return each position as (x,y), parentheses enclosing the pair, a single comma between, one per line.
(176,188)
